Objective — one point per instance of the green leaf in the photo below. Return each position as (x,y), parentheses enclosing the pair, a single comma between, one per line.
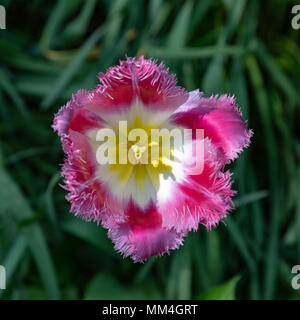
(145,269)
(214,255)
(158,12)
(90,232)
(184,278)
(8,87)
(213,78)
(240,242)
(276,199)
(173,276)
(105,286)
(179,281)
(73,67)
(14,202)
(250,198)
(34,293)
(14,256)
(194,53)
(76,28)
(276,73)
(179,32)
(49,198)
(238,85)
(60,12)
(114,23)
(199,11)
(225,291)
(6,120)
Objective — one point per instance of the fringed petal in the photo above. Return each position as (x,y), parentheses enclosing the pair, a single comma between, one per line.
(142,236)
(89,198)
(75,116)
(221,120)
(204,198)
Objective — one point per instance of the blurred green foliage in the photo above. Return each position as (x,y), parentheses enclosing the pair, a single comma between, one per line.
(53,48)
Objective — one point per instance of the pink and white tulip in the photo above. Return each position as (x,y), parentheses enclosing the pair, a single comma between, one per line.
(148,209)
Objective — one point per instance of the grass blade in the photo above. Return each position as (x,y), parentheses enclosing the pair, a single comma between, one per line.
(17,204)
(194,53)
(276,73)
(89,232)
(179,32)
(14,256)
(225,291)
(250,198)
(72,68)
(7,86)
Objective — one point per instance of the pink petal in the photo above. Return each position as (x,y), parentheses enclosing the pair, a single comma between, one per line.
(144,79)
(136,79)
(75,116)
(221,120)
(142,236)
(88,197)
(203,198)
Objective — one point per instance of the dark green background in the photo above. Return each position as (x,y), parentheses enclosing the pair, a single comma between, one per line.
(53,48)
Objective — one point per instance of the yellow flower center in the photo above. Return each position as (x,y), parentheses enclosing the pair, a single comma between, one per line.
(139,164)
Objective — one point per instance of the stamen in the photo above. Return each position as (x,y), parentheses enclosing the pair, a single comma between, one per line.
(155,163)
(138,151)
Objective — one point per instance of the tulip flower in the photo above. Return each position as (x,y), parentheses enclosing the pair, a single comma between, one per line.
(148,206)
